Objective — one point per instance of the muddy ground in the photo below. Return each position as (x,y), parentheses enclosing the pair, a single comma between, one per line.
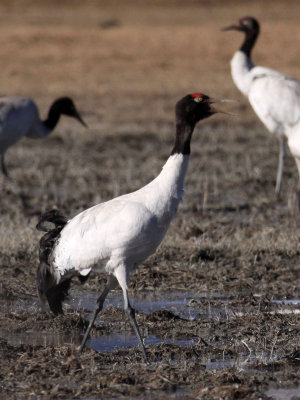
(233,249)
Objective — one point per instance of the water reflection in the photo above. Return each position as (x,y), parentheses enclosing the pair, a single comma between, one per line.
(113,342)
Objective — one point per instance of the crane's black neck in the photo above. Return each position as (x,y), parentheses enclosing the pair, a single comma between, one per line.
(183,138)
(53,117)
(249,42)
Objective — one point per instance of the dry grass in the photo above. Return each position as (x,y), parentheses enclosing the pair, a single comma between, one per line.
(126,79)
(156,51)
(230,234)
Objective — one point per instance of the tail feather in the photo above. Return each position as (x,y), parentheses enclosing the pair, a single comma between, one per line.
(49,290)
(57,294)
(47,243)
(52,216)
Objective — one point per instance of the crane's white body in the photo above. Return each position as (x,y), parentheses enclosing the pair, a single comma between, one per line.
(19,117)
(116,236)
(121,233)
(275,98)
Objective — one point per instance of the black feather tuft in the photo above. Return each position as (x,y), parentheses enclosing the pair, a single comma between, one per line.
(57,294)
(54,217)
(48,289)
(44,280)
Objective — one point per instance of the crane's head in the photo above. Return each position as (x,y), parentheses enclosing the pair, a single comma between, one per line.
(194,107)
(65,105)
(245,24)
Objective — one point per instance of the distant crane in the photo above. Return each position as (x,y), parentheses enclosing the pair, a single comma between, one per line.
(20,117)
(117,235)
(274,97)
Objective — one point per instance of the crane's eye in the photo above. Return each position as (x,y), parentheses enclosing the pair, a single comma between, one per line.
(198,99)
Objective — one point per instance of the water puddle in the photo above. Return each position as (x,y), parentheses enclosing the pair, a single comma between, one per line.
(113,342)
(292,301)
(39,338)
(186,305)
(239,362)
(284,394)
(293,306)
(183,304)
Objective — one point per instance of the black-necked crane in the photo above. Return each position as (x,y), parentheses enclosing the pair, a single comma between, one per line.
(274,97)
(19,117)
(118,235)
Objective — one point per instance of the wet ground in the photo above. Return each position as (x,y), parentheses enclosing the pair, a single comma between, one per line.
(218,304)
(201,345)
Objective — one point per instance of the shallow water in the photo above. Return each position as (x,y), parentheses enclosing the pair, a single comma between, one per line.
(114,342)
(40,338)
(239,362)
(284,394)
(109,343)
(183,304)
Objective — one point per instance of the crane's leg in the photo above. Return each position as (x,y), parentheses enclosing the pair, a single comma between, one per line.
(122,274)
(130,311)
(282,148)
(111,284)
(298,189)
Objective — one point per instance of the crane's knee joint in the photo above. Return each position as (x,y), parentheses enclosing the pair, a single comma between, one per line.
(130,311)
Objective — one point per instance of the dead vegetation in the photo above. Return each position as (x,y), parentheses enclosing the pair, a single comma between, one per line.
(126,64)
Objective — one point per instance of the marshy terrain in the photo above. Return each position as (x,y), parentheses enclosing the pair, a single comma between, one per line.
(219,302)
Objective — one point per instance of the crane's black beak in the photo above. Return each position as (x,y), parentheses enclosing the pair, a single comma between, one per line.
(232,28)
(215,110)
(78,117)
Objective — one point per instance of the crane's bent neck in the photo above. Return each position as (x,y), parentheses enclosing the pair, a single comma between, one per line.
(53,118)
(249,42)
(165,192)
(174,172)
(183,138)
(241,65)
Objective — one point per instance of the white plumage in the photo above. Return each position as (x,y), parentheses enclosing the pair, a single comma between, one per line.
(275,98)
(126,229)
(19,117)
(116,236)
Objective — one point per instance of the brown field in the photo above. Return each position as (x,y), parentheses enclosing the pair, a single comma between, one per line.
(125,64)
